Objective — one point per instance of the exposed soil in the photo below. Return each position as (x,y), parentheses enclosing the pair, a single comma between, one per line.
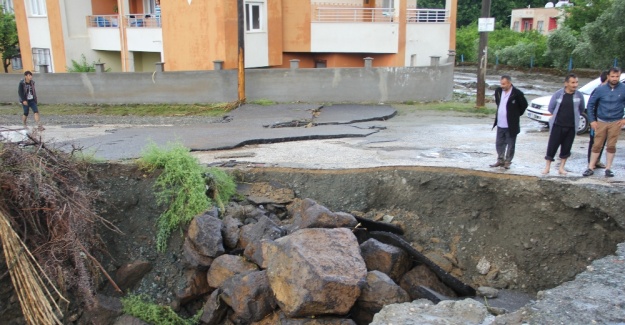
(535,234)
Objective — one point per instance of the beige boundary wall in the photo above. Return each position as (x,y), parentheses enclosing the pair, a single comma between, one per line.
(333,85)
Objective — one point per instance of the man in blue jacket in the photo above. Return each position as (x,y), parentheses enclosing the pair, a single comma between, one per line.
(607,120)
(511,104)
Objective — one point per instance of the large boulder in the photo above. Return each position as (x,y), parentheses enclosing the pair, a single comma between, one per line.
(192,258)
(205,234)
(316,271)
(421,275)
(388,259)
(379,291)
(227,266)
(253,234)
(309,214)
(214,310)
(191,286)
(249,297)
(231,231)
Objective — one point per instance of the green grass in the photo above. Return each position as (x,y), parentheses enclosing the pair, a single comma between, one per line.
(180,187)
(221,185)
(411,107)
(263,102)
(141,307)
(218,109)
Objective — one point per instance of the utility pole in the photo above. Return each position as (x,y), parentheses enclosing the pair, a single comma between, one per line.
(482,59)
(241,51)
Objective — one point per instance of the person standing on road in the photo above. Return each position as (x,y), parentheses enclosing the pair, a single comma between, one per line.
(511,104)
(604,79)
(607,120)
(566,106)
(28,97)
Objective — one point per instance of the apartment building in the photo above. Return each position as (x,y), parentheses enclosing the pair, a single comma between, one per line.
(543,20)
(131,36)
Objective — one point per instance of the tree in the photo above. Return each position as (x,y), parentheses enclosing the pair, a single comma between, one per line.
(8,38)
(560,46)
(584,12)
(469,10)
(604,39)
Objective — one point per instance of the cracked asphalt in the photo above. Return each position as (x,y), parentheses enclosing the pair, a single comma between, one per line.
(335,137)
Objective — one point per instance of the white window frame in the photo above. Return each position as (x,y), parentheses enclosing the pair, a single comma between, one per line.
(540,25)
(250,19)
(515,26)
(41,56)
(7,6)
(38,8)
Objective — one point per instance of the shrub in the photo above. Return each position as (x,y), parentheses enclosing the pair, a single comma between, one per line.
(83,65)
(139,306)
(180,186)
(220,185)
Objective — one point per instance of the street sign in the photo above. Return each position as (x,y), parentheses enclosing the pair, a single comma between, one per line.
(486,25)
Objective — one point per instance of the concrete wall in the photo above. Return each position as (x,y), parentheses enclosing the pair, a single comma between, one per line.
(373,85)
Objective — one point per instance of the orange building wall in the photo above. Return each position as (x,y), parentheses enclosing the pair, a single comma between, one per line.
(296,19)
(452,24)
(22,34)
(195,35)
(56,36)
(274,29)
(103,7)
(337,60)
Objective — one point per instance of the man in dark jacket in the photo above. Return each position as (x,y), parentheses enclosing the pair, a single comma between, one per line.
(28,97)
(511,104)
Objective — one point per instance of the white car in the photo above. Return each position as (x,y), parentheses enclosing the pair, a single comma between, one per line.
(538,108)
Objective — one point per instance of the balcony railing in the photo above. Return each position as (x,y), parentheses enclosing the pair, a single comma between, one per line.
(330,14)
(427,16)
(143,20)
(103,21)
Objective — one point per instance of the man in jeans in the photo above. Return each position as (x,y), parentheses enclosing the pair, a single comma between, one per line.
(28,97)
(607,120)
(511,104)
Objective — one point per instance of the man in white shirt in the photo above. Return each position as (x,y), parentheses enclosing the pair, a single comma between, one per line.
(511,104)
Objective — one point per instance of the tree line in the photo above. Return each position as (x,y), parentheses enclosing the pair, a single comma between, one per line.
(590,36)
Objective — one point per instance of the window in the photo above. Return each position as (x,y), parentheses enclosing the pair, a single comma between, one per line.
(539,26)
(38,7)
(253,16)
(16,63)
(41,56)
(515,26)
(7,6)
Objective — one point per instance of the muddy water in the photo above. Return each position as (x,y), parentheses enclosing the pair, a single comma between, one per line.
(535,234)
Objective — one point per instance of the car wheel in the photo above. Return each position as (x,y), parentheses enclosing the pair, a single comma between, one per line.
(584,126)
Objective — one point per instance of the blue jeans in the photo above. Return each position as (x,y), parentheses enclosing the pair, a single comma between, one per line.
(32,105)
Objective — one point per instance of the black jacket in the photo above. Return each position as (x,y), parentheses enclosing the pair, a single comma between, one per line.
(515,108)
(21,90)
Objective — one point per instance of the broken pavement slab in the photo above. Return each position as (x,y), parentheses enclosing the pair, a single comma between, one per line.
(246,126)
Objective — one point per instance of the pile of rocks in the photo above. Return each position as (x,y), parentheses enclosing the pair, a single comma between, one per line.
(255,267)
(290,261)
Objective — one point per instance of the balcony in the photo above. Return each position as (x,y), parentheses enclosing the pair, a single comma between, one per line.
(354,30)
(427,16)
(143,32)
(103,32)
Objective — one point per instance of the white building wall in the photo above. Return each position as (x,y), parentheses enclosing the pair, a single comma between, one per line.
(145,39)
(106,39)
(256,49)
(354,37)
(39,32)
(74,19)
(425,40)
